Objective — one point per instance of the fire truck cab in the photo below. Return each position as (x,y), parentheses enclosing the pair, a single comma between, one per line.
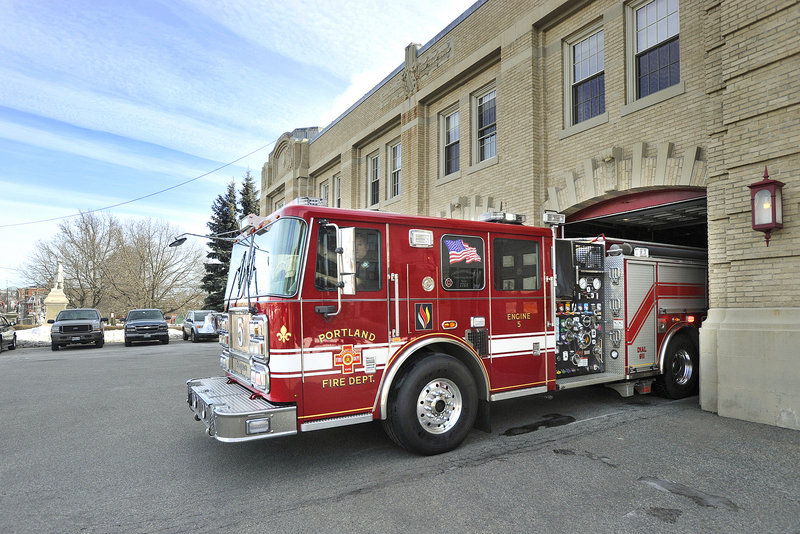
(336,317)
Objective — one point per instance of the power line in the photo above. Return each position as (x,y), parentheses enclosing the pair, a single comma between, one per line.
(139,198)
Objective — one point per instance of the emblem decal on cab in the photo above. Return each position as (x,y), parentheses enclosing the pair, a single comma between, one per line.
(347,359)
(284,335)
(423,315)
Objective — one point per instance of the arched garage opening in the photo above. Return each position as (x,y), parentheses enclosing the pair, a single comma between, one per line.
(674,216)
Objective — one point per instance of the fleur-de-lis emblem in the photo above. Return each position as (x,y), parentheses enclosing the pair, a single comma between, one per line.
(284,335)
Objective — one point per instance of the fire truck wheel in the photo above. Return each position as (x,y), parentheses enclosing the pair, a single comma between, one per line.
(680,369)
(433,406)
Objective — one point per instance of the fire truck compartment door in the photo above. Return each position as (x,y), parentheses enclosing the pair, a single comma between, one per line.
(640,315)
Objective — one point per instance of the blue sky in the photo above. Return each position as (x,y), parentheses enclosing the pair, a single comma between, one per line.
(105,101)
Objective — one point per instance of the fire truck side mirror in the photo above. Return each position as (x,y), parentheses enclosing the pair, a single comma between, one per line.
(347,264)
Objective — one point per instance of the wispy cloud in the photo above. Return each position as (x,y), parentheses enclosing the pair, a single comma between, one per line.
(101,102)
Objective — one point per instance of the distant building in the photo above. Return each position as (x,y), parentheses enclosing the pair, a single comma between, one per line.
(641,119)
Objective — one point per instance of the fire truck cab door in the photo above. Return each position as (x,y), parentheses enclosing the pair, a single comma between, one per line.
(343,352)
(640,314)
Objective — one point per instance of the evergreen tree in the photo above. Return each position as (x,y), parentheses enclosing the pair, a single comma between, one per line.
(248,196)
(224,221)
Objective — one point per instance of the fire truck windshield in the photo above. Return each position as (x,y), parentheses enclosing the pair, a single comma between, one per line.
(271,266)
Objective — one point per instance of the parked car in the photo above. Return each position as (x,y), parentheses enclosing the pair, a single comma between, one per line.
(8,336)
(199,325)
(146,325)
(79,326)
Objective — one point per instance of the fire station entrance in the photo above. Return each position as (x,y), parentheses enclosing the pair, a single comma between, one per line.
(672,216)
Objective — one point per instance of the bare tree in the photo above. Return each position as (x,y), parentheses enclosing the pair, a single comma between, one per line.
(85,245)
(149,274)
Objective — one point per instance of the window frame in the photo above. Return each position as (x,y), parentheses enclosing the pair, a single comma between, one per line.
(324,192)
(395,170)
(337,190)
(373,179)
(568,53)
(444,145)
(633,101)
(475,121)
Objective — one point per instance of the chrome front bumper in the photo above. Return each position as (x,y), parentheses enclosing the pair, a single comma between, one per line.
(230,415)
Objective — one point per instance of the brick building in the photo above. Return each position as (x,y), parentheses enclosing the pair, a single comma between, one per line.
(644,119)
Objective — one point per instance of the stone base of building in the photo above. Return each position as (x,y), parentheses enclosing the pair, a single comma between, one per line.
(750,365)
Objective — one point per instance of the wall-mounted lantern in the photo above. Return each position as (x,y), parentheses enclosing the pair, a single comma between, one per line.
(766,202)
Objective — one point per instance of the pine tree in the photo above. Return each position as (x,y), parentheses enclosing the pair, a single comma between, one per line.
(248,196)
(225,221)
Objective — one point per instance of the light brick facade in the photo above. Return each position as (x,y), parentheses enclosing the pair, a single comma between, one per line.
(735,110)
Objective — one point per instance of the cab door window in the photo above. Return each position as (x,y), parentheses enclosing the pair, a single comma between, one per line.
(516,265)
(463,259)
(368,260)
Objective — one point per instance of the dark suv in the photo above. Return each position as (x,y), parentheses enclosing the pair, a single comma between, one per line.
(79,326)
(146,325)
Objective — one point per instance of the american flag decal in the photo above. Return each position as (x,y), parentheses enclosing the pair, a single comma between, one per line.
(460,251)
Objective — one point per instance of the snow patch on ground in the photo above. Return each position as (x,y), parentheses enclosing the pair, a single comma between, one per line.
(41,335)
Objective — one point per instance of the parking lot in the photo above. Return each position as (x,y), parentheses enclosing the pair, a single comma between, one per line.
(101,440)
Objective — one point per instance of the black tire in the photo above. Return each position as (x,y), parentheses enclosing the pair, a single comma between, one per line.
(54,346)
(185,337)
(127,343)
(165,340)
(193,337)
(13,343)
(99,343)
(681,369)
(433,405)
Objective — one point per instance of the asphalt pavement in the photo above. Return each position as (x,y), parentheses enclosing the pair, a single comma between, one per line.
(101,440)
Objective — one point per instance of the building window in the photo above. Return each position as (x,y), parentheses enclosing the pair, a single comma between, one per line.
(374,171)
(588,92)
(324,193)
(395,153)
(657,47)
(337,191)
(486,112)
(452,136)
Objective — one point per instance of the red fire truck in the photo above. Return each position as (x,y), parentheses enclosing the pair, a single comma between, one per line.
(337,317)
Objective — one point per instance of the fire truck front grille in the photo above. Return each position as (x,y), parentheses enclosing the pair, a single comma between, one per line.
(479,339)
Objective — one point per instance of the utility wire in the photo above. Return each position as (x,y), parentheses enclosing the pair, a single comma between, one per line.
(139,198)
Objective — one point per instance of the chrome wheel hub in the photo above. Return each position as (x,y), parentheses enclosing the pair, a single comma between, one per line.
(682,368)
(439,406)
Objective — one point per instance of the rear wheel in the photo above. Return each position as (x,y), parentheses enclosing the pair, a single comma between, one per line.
(681,368)
(433,406)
